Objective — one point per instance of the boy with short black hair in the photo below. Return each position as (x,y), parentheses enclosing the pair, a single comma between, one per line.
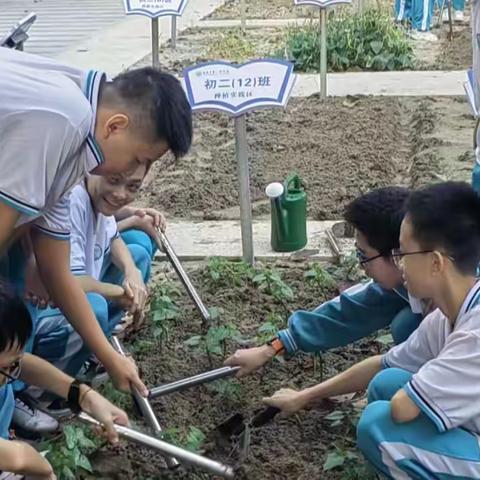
(15,329)
(58,123)
(362,309)
(423,417)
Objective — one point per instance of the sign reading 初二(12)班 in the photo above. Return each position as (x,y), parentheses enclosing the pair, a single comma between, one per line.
(154,8)
(320,3)
(235,89)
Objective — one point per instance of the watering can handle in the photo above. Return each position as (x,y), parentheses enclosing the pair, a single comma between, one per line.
(293,178)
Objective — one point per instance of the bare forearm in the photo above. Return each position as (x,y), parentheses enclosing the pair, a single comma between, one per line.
(21,458)
(69,296)
(124,213)
(354,379)
(38,372)
(121,257)
(53,262)
(89,284)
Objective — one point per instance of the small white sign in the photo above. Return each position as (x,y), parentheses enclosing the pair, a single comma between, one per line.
(236,89)
(154,8)
(320,3)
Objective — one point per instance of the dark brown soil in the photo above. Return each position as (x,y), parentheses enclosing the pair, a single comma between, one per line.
(294,448)
(339,147)
(457,53)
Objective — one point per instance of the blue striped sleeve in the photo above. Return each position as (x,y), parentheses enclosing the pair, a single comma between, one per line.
(18,205)
(422,402)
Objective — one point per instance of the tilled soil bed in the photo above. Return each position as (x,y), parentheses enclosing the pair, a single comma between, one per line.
(340,147)
(294,448)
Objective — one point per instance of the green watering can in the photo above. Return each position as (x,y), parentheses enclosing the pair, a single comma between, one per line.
(289,214)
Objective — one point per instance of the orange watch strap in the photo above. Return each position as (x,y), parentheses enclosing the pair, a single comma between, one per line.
(277,345)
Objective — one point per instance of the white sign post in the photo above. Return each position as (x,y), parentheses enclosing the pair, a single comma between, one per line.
(243,14)
(155,9)
(236,90)
(323,5)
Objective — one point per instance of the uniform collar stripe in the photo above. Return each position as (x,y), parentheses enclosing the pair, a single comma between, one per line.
(92,85)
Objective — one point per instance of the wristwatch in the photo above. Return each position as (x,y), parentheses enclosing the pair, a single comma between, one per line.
(276,344)
(73,399)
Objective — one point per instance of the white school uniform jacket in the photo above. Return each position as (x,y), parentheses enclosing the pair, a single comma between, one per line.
(47,121)
(445,361)
(91,235)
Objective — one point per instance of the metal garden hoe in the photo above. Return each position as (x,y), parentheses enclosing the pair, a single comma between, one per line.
(173,455)
(163,244)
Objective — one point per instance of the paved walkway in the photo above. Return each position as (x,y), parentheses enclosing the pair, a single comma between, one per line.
(94,33)
(405,83)
(199,240)
(60,24)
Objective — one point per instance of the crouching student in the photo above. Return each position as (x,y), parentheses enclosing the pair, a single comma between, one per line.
(362,309)
(112,273)
(15,329)
(423,417)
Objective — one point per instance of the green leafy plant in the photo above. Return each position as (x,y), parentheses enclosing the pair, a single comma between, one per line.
(348,269)
(351,464)
(385,340)
(234,45)
(215,341)
(227,273)
(319,277)
(370,41)
(118,398)
(142,347)
(271,283)
(163,310)
(68,455)
(227,389)
(192,440)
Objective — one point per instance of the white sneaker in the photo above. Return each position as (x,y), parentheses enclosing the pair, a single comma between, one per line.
(423,36)
(445,15)
(30,421)
(10,476)
(458,16)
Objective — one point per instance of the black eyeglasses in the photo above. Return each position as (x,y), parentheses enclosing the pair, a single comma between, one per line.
(398,255)
(13,372)
(363,259)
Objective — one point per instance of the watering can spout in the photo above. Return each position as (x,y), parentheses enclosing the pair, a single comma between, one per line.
(289,214)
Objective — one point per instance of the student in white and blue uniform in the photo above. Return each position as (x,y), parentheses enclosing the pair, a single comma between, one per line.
(112,273)
(18,459)
(58,123)
(423,417)
(362,309)
(417,14)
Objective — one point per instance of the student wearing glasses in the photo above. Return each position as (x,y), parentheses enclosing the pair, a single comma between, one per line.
(362,309)
(423,417)
(15,330)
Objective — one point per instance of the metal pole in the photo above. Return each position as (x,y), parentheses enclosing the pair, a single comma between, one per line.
(155,44)
(146,408)
(244,188)
(243,15)
(164,244)
(188,382)
(173,40)
(450,20)
(323,53)
(166,449)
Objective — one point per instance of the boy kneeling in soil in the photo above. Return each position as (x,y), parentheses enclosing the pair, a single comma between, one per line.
(111,260)
(15,330)
(361,309)
(423,417)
